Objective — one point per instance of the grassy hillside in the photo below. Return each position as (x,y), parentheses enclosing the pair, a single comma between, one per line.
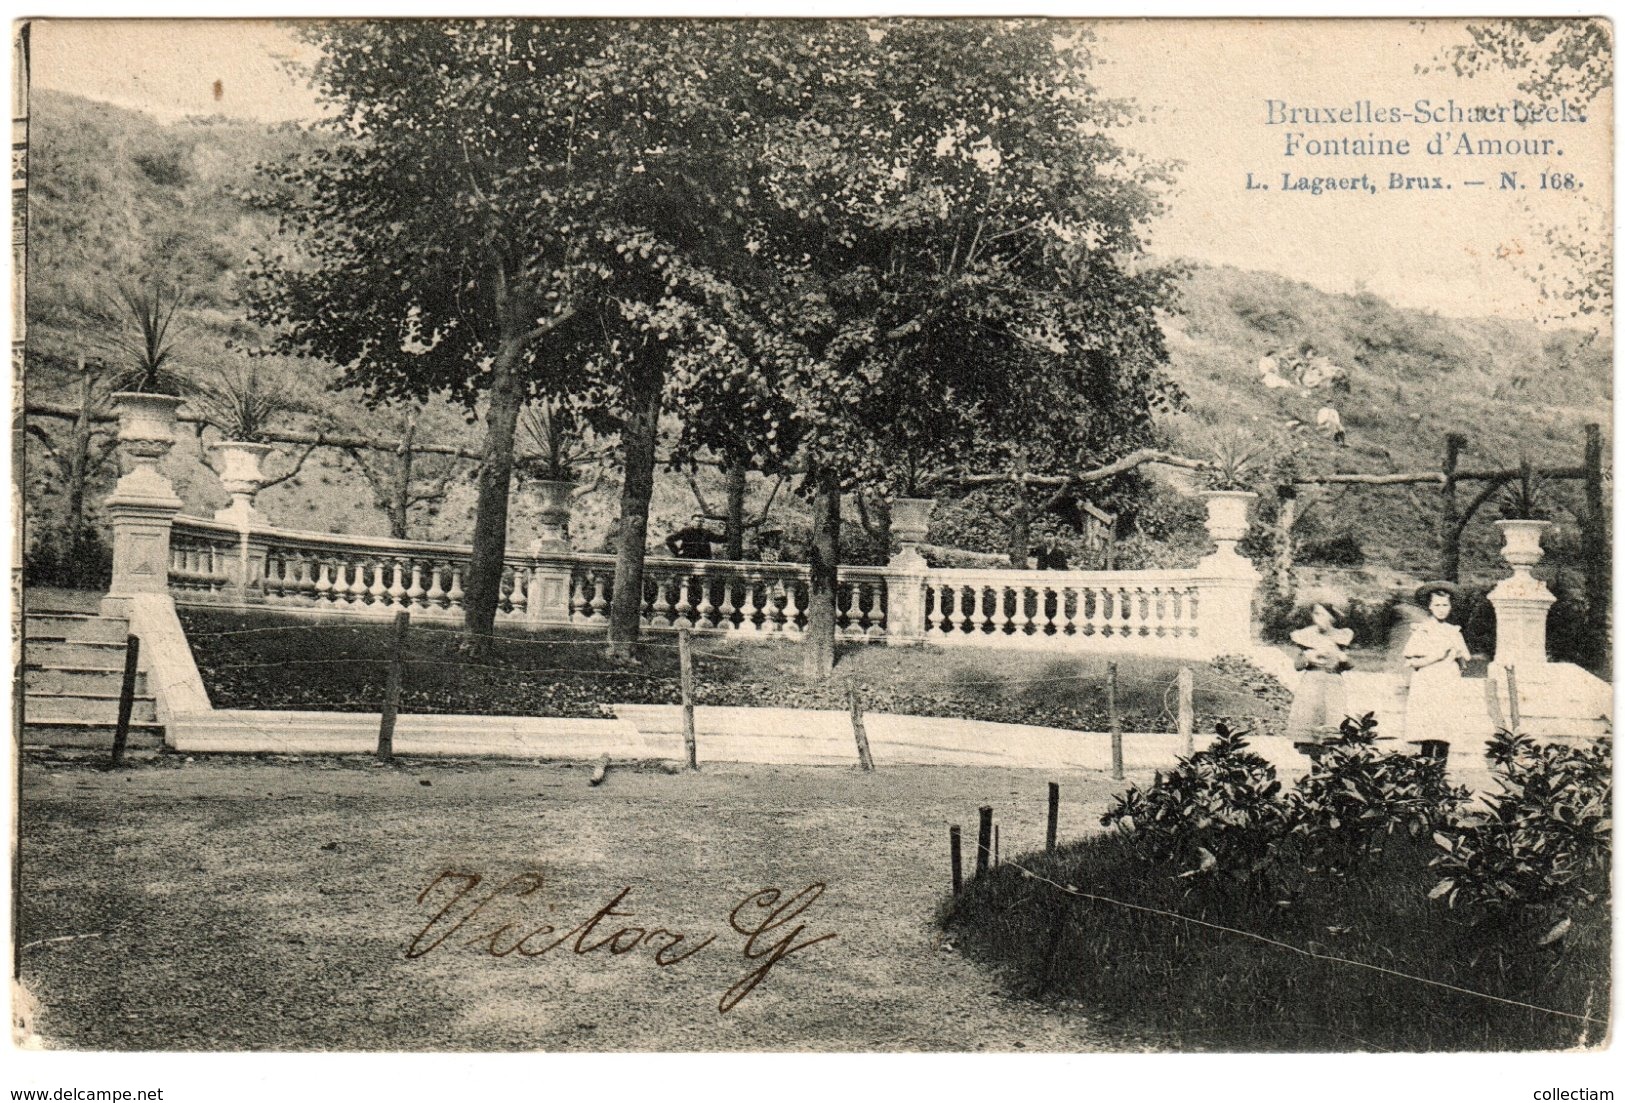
(1511,388)
(115,193)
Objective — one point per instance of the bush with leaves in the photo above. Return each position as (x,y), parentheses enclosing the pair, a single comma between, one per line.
(1356,795)
(74,561)
(1541,855)
(1217,812)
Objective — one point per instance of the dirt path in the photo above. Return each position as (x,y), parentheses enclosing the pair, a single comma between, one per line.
(243,904)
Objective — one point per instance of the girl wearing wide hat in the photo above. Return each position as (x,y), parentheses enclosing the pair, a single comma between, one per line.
(1318,703)
(1434,654)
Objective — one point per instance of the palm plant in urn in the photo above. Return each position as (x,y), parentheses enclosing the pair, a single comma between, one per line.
(550,427)
(1524,519)
(1226,482)
(141,327)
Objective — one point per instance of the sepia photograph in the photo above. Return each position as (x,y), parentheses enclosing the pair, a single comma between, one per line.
(843,535)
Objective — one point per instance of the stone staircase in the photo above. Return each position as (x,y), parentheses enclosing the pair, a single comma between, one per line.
(73,669)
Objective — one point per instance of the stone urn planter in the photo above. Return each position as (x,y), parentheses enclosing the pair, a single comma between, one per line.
(1520,543)
(911,519)
(554,515)
(1227,517)
(146,433)
(240,474)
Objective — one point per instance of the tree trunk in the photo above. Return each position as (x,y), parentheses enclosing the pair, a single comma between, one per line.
(79,459)
(1020,534)
(491,508)
(819,657)
(1449,511)
(639,436)
(734,526)
(401,501)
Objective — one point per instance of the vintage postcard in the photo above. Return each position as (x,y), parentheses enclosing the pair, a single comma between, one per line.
(832,535)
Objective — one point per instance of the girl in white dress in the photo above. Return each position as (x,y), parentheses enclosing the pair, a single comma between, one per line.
(1436,706)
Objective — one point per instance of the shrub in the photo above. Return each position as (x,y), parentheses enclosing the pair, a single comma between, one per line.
(1373,622)
(1215,813)
(73,561)
(1541,855)
(1342,550)
(1356,795)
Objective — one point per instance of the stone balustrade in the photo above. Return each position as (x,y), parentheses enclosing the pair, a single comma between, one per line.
(239,561)
(1077,610)
(1170,612)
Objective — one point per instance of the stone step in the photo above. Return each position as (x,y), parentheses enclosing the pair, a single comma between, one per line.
(77,627)
(89,735)
(93,680)
(48,654)
(62,708)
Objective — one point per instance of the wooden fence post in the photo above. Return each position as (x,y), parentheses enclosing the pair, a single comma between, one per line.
(1449,511)
(954,857)
(1281,558)
(685,667)
(392,687)
(126,699)
(1115,720)
(1054,817)
(1594,547)
(984,838)
(1187,708)
(865,759)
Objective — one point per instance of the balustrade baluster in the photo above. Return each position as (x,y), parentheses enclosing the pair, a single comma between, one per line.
(301,590)
(772,613)
(376,592)
(849,612)
(725,614)
(662,612)
(341,582)
(933,609)
(415,592)
(684,584)
(876,616)
(599,601)
(454,594)
(751,606)
(959,616)
(578,601)
(792,607)
(397,587)
(707,614)
(435,596)
(523,590)
(1095,621)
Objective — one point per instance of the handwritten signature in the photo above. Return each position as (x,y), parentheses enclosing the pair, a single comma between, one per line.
(759,917)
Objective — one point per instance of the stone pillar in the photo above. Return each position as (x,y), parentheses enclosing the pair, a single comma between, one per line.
(1227,582)
(143,504)
(1521,601)
(548,599)
(905,596)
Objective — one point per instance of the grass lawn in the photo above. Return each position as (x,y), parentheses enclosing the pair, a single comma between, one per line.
(235,903)
(1198,988)
(272,661)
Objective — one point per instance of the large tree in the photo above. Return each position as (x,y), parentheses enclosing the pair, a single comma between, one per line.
(448,236)
(509,210)
(950,234)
